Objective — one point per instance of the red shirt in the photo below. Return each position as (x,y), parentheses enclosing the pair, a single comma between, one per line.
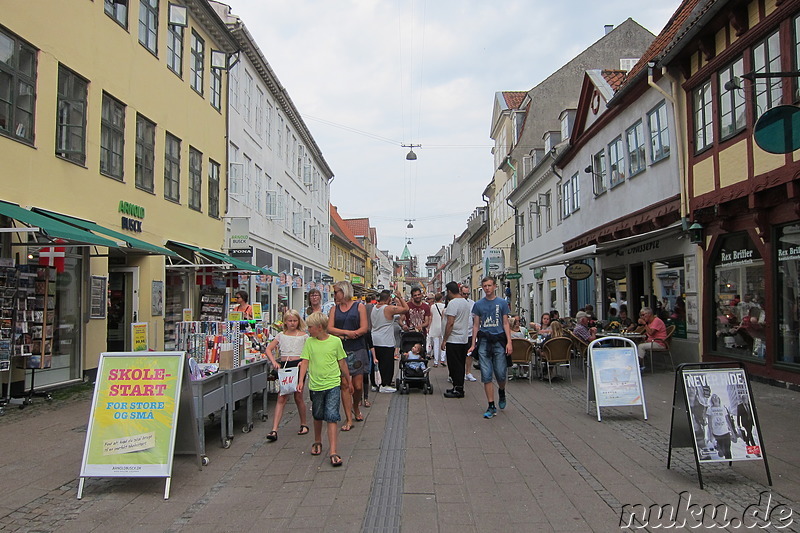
(660,333)
(416,316)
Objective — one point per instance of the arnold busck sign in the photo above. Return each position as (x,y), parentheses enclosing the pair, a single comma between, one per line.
(132,210)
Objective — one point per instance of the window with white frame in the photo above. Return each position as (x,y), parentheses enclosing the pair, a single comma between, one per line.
(247,173)
(172,168)
(195,179)
(297,224)
(571,195)
(636,157)
(616,160)
(175,49)
(117,10)
(148,24)
(533,208)
(258,183)
(731,101)
(269,123)
(145,153)
(279,140)
(701,112)
(599,172)
(259,125)
(17,87)
(286,148)
(112,137)
(548,218)
(235,171)
(233,86)
(659,132)
(767,58)
(213,189)
(247,97)
(198,62)
(71,116)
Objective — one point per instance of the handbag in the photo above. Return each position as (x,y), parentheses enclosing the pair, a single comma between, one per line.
(287,378)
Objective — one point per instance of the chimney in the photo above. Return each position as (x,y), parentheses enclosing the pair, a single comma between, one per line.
(608,28)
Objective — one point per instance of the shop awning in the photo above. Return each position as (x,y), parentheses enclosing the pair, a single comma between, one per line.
(213,255)
(134,244)
(610,246)
(52,228)
(580,253)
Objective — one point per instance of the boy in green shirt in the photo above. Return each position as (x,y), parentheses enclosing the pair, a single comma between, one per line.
(323,358)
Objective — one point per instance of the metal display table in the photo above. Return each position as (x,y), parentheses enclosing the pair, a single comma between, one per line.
(209,399)
(238,386)
(259,382)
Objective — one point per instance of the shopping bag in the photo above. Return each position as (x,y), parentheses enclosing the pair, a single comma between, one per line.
(288,380)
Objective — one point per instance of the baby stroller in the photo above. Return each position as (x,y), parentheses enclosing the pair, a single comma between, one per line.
(413,372)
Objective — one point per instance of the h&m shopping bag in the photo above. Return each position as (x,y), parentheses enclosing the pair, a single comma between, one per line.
(287,377)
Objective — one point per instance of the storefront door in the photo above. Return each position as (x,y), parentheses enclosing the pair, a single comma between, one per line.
(123,307)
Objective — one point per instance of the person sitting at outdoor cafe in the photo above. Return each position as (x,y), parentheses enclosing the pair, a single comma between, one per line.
(556,330)
(589,310)
(581,330)
(543,327)
(656,332)
(624,320)
(554,317)
(516,331)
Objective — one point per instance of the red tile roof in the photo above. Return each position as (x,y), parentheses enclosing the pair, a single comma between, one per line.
(359,226)
(514,98)
(614,78)
(340,229)
(664,39)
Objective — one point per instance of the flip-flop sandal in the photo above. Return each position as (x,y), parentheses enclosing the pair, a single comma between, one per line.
(272,436)
(347,427)
(336,460)
(303,430)
(316,448)
(367,403)
(359,418)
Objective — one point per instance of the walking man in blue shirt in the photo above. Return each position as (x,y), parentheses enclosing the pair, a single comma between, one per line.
(491,335)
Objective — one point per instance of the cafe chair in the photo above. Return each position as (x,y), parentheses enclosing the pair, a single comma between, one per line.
(557,353)
(580,347)
(522,356)
(668,351)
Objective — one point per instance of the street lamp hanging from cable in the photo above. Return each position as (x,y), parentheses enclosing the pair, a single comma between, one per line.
(411,156)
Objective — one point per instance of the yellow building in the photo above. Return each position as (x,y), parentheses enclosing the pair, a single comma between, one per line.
(348,258)
(117,117)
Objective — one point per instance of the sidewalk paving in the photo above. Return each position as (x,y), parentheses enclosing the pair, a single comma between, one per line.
(417,463)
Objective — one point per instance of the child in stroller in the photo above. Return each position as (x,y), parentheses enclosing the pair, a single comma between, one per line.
(413,364)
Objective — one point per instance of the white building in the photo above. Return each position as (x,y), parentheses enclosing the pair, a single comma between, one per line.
(279,181)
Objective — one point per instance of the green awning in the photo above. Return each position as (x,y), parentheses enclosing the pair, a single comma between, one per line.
(133,243)
(238,264)
(54,228)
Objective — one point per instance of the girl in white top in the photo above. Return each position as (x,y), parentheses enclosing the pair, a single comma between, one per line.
(436,330)
(291,341)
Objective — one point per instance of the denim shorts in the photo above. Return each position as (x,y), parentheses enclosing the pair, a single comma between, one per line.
(325,404)
(492,358)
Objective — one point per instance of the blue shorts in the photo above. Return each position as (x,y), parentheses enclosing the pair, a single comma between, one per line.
(325,404)
(492,358)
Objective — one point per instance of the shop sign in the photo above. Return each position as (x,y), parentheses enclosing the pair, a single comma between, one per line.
(493,262)
(240,233)
(241,253)
(742,256)
(357,279)
(639,248)
(538,273)
(578,271)
(791,253)
(513,275)
(326,278)
(134,415)
(131,210)
(139,337)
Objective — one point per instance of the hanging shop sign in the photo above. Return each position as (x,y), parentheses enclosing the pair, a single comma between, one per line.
(239,237)
(578,271)
(493,262)
(357,279)
(130,213)
(134,416)
(513,275)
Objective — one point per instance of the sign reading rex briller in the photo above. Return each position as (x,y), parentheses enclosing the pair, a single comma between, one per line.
(239,236)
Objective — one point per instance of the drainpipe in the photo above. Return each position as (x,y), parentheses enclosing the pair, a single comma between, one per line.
(515,244)
(680,136)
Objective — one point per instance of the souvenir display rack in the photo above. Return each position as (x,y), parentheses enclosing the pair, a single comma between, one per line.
(212,306)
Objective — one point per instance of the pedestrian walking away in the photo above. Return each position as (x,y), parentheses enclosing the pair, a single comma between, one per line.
(456,338)
(491,336)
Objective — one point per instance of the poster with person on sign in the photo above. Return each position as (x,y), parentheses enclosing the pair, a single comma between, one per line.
(721,410)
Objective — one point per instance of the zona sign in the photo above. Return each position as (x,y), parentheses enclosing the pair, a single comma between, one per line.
(578,271)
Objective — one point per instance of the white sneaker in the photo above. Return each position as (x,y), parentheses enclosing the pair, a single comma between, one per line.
(387,390)
(449,379)
(374,388)
(470,377)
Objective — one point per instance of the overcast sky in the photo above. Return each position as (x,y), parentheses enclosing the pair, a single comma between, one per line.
(370,75)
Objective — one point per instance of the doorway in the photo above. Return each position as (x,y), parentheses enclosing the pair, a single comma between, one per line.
(123,307)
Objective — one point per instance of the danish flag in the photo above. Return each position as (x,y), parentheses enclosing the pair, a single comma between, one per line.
(204,276)
(53,257)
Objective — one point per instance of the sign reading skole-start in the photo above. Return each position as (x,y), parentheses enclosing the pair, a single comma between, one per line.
(578,271)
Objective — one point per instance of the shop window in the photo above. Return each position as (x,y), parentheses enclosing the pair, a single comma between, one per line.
(71,116)
(731,100)
(788,294)
(17,87)
(553,290)
(703,122)
(740,316)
